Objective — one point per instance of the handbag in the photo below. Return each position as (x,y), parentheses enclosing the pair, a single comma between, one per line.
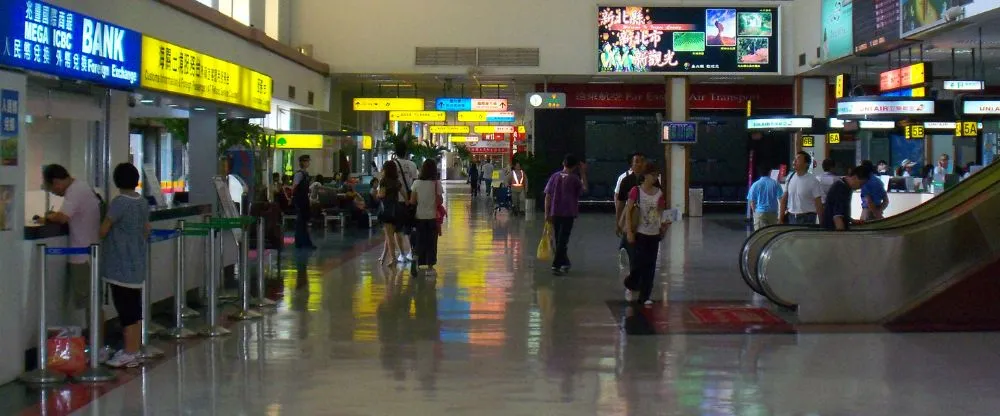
(634,214)
(544,251)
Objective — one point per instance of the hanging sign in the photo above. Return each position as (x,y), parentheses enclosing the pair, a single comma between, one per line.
(416,116)
(779,123)
(842,86)
(486,116)
(808,141)
(471,104)
(967,129)
(547,100)
(987,107)
(494,129)
(388,104)
(462,139)
(833,138)
(956,85)
(298,141)
(906,76)
(367,143)
(57,41)
(874,106)
(914,131)
(450,129)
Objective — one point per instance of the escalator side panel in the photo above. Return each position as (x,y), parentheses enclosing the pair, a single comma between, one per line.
(970,304)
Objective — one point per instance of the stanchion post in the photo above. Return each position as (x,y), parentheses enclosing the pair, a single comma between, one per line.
(243,265)
(261,301)
(213,329)
(181,295)
(147,351)
(42,375)
(179,331)
(95,374)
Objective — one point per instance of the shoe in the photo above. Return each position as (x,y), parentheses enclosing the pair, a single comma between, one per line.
(628,295)
(564,269)
(105,354)
(409,256)
(401,258)
(557,271)
(648,303)
(123,359)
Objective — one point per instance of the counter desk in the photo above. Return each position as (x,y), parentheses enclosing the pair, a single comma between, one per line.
(899,202)
(163,263)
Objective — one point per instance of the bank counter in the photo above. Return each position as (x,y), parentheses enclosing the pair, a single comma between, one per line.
(163,263)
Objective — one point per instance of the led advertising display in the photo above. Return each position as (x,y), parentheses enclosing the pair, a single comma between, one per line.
(838,40)
(687,39)
(53,40)
(919,15)
(876,26)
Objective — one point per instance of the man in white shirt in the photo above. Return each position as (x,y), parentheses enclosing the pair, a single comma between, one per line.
(942,165)
(487,172)
(82,211)
(409,173)
(802,203)
(828,178)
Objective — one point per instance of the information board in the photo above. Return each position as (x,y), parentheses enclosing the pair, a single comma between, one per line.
(679,132)
(687,39)
(152,184)
(45,38)
(876,26)
(226,203)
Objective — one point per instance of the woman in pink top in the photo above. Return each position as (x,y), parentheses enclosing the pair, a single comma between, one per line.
(645,239)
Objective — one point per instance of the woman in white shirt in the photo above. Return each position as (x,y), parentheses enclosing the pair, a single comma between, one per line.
(647,202)
(426,194)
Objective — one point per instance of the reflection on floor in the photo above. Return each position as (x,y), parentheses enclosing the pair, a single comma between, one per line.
(493,333)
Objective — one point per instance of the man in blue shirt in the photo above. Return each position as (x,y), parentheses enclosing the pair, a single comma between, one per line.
(763,199)
(874,198)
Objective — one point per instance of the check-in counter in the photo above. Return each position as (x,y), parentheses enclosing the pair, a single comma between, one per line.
(163,264)
(899,202)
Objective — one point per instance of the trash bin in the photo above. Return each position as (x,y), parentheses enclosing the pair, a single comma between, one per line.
(696,198)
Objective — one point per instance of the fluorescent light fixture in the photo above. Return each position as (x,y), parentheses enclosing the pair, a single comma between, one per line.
(199,109)
(958,85)
(173,105)
(147,101)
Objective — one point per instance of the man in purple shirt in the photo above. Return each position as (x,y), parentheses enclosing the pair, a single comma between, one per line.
(562,199)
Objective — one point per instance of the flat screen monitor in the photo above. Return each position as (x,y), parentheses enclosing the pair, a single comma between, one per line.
(679,132)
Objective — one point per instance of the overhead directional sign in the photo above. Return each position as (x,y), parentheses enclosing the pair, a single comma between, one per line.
(471,104)
(450,129)
(494,129)
(549,100)
(298,141)
(417,116)
(958,85)
(487,117)
(463,139)
(388,104)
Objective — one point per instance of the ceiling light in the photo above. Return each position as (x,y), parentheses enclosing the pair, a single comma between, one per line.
(199,109)
(147,101)
(173,105)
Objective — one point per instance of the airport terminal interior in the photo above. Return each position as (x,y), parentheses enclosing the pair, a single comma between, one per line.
(356,207)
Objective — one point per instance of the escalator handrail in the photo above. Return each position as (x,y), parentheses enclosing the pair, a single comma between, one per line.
(881,233)
(912,215)
(748,273)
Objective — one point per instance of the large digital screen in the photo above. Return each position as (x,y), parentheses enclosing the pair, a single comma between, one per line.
(45,38)
(876,26)
(838,40)
(919,15)
(687,39)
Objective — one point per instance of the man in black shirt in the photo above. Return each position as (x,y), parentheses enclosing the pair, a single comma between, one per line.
(837,209)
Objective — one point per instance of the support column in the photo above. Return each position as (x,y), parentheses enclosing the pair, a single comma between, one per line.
(203,155)
(676,165)
(811,100)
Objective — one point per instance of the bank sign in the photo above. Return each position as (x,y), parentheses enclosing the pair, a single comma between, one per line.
(45,38)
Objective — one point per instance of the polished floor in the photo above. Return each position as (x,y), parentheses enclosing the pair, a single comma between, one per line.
(495,334)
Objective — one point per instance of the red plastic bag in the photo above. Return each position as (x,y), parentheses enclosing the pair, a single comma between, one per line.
(67,355)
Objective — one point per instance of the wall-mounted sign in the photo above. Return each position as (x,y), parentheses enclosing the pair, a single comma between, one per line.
(906,76)
(547,100)
(489,147)
(494,129)
(914,131)
(679,132)
(471,104)
(10,104)
(876,26)
(462,139)
(984,107)
(417,115)
(388,104)
(53,40)
(956,85)
(939,125)
(967,129)
(779,123)
(450,129)
(486,116)
(838,40)
(171,68)
(877,106)
(808,141)
(298,141)
(833,138)
(687,39)
(842,86)
(367,143)
(836,123)
(918,92)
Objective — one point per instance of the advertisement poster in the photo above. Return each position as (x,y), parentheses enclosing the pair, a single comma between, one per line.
(838,30)
(687,39)
(6,207)
(919,15)
(9,125)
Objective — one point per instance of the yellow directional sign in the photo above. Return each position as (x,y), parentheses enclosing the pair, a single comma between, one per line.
(808,141)
(450,129)
(416,116)
(388,104)
(833,138)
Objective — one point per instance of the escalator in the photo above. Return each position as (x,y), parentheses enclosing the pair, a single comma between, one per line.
(755,245)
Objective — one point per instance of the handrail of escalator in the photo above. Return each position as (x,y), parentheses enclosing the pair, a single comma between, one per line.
(790,233)
(749,256)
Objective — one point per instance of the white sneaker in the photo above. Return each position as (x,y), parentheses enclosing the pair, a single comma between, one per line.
(649,303)
(105,354)
(401,258)
(628,295)
(409,256)
(122,359)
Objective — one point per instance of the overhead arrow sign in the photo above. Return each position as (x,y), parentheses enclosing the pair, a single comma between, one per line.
(388,104)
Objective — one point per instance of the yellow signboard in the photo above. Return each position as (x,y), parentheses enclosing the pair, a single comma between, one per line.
(450,129)
(842,85)
(749,107)
(808,141)
(388,104)
(416,116)
(298,141)
(171,68)
(463,139)
(494,129)
(521,129)
(833,138)
(966,129)
(366,142)
(914,131)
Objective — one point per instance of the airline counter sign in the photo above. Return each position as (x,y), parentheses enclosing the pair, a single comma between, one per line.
(863,108)
(175,69)
(981,107)
(45,38)
(779,123)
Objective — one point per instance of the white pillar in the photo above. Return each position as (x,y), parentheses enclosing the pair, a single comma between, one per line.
(811,100)
(203,154)
(676,166)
